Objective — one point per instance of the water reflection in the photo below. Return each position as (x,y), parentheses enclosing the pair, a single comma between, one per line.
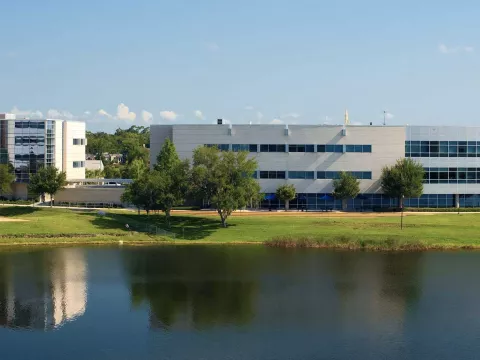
(185,288)
(42,289)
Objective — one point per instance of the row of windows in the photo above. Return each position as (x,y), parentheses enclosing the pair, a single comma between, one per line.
(309,148)
(320,201)
(301,175)
(345,148)
(245,147)
(78,141)
(26,140)
(30,124)
(272,174)
(442,148)
(452,175)
(79,164)
(362,175)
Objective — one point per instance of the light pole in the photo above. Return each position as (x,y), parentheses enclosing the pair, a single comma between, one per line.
(401,217)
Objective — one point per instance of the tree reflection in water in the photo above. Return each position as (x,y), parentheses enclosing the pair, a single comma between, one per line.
(193,287)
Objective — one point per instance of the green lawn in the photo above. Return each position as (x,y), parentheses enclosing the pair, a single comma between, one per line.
(442,230)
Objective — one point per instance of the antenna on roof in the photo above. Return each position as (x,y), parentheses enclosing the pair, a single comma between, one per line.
(384,117)
(346,120)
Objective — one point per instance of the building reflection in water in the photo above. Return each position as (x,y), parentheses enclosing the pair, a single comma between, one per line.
(42,290)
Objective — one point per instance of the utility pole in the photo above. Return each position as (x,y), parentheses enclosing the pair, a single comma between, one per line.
(384,117)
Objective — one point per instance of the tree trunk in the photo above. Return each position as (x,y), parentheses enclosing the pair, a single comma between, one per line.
(138,209)
(287,205)
(167,217)
(223,218)
(400,203)
(344,204)
(51,200)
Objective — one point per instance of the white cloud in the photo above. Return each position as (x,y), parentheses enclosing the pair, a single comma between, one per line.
(124,113)
(293,115)
(276,122)
(102,112)
(60,114)
(212,46)
(27,113)
(199,115)
(444,49)
(147,116)
(389,115)
(259,115)
(87,113)
(168,115)
(249,107)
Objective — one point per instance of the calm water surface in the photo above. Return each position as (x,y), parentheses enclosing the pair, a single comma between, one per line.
(238,303)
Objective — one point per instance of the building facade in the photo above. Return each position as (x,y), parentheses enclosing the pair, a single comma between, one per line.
(311,156)
(28,145)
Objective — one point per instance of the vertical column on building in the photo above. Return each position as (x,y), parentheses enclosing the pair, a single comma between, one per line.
(457,201)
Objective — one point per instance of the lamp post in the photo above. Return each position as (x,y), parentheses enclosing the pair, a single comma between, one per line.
(401,209)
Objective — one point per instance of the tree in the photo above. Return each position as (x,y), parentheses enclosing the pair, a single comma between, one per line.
(47,180)
(172,179)
(112,172)
(142,192)
(346,187)
(135,169)
(93,174)
(6,179)
(403,180)
(225,179)
(286,193)
(168,157)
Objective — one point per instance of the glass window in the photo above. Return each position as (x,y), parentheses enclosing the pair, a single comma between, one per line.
(272,148)
(358,148)
(350,148)
(244,147)
(367,148)
(320,148)
(78,164)
(309,148)
(321,175)
(339,148)
(330,148)
(272,174)
(367,175)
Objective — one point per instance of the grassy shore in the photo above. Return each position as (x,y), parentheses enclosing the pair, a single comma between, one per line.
(368,231)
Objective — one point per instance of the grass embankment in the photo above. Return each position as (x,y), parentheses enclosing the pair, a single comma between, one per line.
(355,231)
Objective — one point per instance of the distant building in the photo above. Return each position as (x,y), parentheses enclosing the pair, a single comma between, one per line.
(311,156)
(94,165)
(28,144)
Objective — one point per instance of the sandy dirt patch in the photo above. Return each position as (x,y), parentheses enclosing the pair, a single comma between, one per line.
(7,219)
(301,214)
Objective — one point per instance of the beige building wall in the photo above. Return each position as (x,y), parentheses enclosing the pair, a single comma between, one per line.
(73,130)
(388,145)
(90,195)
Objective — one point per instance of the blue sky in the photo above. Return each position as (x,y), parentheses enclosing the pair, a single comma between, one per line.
(119,63)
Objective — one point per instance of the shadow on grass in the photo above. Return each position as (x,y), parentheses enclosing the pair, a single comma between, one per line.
(10,211)
(184,227)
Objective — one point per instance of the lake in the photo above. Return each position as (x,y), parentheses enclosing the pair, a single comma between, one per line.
(238,302)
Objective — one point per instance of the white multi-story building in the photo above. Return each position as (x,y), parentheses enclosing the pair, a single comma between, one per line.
(311,156)
(29,144)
